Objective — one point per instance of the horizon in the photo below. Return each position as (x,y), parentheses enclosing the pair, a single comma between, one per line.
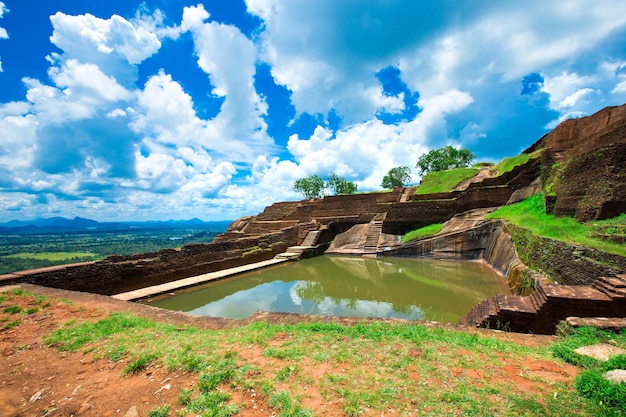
(152,110)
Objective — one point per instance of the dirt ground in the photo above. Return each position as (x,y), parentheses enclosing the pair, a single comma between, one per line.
(37,380)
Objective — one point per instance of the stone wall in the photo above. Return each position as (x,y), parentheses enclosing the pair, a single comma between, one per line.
(562,262)
(117,274)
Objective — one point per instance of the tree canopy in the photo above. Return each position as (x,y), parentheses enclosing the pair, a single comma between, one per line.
(397,177)
(340,185)
(311,186)
(444,158)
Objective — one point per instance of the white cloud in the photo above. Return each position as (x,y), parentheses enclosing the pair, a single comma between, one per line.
(88,81)
(228,57)
(89,36)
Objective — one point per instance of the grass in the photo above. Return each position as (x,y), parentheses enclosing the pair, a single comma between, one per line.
(531,215)
(366,367)
(445,181)
(507,164)
(54,256)
(422,232)
(591,384)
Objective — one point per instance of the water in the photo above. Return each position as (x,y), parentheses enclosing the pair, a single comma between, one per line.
(347,286)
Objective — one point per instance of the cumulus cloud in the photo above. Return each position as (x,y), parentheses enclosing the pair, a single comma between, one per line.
(228,58)
(109,132)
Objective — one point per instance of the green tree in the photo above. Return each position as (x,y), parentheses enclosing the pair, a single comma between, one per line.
(397,177)
(339,185)
(311,186)
(444,158)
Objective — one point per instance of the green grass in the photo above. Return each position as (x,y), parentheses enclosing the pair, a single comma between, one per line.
(445,181)
(54,256)
(507,164)
(422,232)
(160,411)
(531,215)
(366,367)
(12,309)
(591,384)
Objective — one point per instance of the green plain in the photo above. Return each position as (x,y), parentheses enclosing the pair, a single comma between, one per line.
(53,256)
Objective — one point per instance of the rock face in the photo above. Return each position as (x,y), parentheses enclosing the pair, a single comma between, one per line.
(585,165)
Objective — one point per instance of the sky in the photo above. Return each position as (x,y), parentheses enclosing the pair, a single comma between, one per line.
(173,109)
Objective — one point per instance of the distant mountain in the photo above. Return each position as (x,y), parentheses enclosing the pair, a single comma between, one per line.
(79,224)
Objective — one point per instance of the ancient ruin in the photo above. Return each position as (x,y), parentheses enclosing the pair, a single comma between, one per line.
(580,166)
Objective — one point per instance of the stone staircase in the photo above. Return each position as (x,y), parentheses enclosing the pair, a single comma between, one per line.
(541,311)
(373,235)
(308,244)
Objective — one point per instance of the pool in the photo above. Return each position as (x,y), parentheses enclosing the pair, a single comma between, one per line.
(404,288)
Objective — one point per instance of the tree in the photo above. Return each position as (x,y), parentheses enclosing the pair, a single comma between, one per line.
(311,186)
(397,177)
(339,185)
(444,158)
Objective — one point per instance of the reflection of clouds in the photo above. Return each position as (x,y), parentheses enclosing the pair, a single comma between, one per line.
(242,303)
(293,293)
(284,297)
(365,308)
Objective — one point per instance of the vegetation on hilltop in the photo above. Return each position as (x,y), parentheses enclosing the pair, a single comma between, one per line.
(443,159)
(396,177)
(445,181)
(314,186)
(507,164)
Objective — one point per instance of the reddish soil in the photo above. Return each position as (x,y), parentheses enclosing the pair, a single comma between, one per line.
(38,380)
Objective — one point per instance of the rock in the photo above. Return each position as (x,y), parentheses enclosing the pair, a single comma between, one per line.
(600,351)
(616,376)
(132,412)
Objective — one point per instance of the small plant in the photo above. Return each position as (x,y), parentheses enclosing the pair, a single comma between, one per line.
(184,398)
(284,374)
(288,407)
(218,374)
(212,404)
(160,411)
(289,353)
(31,310)
(140,363)
(12,309)
(11,324)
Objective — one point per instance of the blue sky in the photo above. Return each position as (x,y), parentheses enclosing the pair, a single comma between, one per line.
(129,110)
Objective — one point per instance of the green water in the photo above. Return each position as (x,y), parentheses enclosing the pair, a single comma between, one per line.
(347,286)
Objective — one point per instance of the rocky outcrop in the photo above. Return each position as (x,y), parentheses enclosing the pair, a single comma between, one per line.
(585,165)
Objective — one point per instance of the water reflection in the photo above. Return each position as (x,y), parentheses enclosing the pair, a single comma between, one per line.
(347,286)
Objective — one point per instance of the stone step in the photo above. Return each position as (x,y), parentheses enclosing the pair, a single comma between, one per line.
(574,292)
(517,303)
(611,287)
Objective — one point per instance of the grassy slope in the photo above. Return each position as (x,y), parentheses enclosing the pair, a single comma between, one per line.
(365,366)
(445,181)
(422,232)
(531,215)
